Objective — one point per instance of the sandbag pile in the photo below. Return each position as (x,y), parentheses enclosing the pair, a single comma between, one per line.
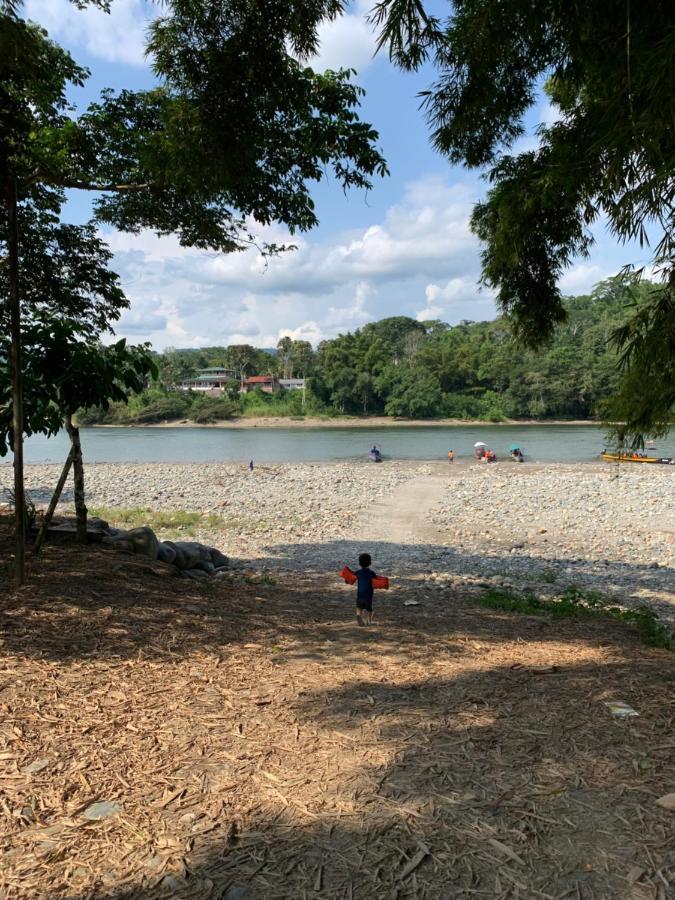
(192,558)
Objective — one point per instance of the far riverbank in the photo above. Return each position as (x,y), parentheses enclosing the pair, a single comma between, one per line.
(352,422)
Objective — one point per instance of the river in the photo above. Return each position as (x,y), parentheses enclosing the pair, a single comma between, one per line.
(541,443)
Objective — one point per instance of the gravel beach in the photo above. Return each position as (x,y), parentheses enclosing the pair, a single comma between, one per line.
(541,529)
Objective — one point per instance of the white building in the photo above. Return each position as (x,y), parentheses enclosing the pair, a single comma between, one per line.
(292,384)
(213,380)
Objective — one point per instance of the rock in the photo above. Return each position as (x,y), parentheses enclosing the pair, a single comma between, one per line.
(189,554)
(166,553)
(238,892)
(37,766)
(143,541)
(219,560)
(667,802)
(104,809)
(195,573)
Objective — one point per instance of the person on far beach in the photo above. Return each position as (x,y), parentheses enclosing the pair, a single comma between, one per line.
(250,466)
(451,455)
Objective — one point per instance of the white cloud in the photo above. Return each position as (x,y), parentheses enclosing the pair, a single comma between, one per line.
(428,231)
(321,289)
(581,278)
(118,36)
(459,298)
(419,260)
(549,113)
(346,42)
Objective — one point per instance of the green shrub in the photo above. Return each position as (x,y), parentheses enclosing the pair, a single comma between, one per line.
(575,603)
(213,409)
(492,407)
(160,409)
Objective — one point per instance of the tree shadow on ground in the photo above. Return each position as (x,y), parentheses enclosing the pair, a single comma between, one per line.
(261,745)
(623,580)
(497,783)
(95,603)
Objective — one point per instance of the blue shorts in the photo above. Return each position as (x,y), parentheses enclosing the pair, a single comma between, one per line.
(364,603)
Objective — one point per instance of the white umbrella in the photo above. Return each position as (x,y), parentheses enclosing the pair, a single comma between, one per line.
(480,444)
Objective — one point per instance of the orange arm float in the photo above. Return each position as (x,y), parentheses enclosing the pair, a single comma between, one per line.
(380,583)
(348,575)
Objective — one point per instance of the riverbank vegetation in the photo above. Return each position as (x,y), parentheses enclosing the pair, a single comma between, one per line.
(574,603)
(401,367)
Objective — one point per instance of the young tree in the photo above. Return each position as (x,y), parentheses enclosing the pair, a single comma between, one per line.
(62,373)
(302,358)
(611,154)
(69,299)
(285,354)
(236,132)
(239,357)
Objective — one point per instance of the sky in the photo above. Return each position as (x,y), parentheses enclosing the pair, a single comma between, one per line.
(403,248)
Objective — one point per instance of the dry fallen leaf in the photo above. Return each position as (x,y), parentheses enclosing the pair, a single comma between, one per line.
(507,851)
(667,801)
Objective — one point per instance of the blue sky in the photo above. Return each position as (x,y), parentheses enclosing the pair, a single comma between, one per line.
(404,248)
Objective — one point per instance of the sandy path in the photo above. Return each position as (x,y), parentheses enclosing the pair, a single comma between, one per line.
(402,516)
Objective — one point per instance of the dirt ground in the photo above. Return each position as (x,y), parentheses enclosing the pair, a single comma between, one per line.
(255,743)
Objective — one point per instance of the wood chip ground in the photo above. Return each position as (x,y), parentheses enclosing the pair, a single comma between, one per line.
(250,741)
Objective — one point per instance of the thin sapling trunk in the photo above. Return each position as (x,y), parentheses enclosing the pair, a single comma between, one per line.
(78,480)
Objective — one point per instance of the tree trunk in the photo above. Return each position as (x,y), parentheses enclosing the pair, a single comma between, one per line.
(17,386)
(78,480)
(53,504)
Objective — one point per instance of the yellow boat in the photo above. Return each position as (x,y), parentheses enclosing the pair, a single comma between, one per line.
(625,456)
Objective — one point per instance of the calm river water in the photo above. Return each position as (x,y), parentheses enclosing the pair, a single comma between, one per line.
(541,443)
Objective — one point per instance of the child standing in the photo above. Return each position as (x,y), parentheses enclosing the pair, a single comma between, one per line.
(364,589)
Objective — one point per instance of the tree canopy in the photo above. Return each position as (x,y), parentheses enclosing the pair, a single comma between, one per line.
(232,138)
(70,300)
(607,66)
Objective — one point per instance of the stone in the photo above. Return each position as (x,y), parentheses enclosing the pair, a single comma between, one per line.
(166,553)
(194,573)
(143,541)
(37,766)
(238,892)
(218,559)
(189,554)
(104,809)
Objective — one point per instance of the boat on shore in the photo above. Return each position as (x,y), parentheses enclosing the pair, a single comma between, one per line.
(625,456)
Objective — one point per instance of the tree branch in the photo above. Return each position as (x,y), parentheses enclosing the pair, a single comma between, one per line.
(86,185)
(92,186)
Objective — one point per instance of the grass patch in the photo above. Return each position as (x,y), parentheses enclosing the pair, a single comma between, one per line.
(260,579)
(574,603)
(180,521)
(548,576)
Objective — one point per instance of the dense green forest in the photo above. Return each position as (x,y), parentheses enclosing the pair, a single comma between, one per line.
(401,367)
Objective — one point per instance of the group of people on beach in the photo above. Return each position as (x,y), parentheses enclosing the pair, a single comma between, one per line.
(481,453)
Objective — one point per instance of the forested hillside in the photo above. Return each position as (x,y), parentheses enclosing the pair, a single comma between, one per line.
(401,367)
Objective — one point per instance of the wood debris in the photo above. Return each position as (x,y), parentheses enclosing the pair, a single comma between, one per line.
(230,748)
